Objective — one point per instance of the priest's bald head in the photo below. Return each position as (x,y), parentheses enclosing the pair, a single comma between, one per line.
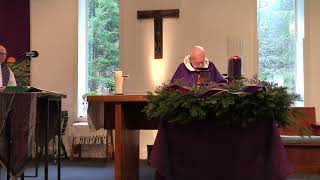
(3,53)
(197,56)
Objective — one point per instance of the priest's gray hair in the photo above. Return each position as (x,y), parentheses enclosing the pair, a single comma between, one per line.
(196,49)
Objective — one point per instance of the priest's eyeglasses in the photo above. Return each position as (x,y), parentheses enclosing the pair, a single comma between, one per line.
(3,54)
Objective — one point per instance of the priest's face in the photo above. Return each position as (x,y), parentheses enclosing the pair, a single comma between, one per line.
(197,58)
(3,54)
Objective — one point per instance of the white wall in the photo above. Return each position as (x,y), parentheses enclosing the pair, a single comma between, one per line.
(311,51)
(54,35)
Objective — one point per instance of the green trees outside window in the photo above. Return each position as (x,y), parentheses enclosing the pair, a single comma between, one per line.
(277,41)
(103,44)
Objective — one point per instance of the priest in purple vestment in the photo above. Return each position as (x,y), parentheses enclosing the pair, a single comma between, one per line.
(187,71)
(6,75)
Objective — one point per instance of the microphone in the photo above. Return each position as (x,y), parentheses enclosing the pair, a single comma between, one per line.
(26,57)
(32,54)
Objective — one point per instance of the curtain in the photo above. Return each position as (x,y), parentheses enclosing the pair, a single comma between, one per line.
(15,35)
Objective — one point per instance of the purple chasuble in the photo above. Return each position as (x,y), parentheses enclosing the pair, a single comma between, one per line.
(5,74)
(191,77)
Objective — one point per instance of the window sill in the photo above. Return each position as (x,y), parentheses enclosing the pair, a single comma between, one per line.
(80,124)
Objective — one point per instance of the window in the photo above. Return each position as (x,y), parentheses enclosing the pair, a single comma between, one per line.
(98,48)
(280,34)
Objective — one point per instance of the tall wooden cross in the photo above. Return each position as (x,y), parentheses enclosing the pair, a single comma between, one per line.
(158,16)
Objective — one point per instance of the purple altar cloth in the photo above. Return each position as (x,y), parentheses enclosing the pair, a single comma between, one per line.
(202,151)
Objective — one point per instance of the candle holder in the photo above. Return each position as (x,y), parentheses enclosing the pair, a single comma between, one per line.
(234,68)
(119,79)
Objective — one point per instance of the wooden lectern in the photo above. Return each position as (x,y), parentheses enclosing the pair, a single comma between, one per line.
(28,116)
(124,114)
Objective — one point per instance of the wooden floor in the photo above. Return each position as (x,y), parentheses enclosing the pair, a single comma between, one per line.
(102,170)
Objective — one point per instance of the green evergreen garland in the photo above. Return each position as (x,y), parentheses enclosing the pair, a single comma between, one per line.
(229,107)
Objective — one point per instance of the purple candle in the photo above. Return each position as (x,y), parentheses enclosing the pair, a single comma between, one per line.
(234,68)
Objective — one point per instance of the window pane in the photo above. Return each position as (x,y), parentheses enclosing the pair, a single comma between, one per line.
(277,42)
(103,44)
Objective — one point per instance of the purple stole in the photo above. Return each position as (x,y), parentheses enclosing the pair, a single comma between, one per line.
(5,74)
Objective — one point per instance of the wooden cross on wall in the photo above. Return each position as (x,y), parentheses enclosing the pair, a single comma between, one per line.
(158,16)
